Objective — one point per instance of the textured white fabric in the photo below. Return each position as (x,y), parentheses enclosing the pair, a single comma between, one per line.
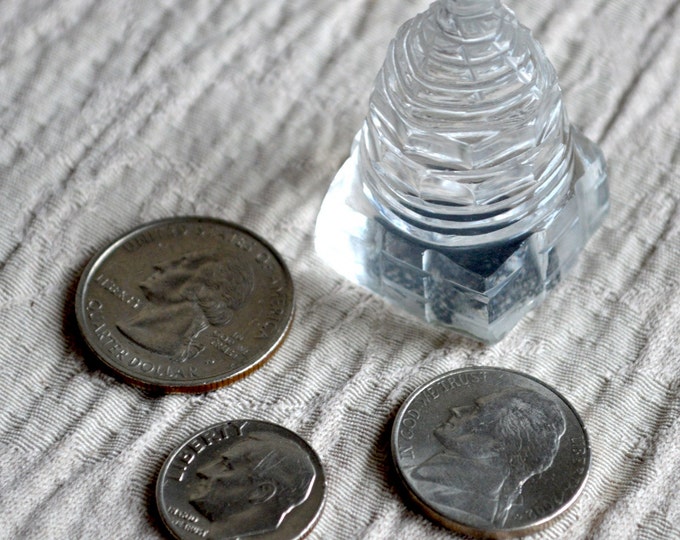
(114,113)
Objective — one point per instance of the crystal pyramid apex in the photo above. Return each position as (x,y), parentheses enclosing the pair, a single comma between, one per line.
(444,107)
(470,7)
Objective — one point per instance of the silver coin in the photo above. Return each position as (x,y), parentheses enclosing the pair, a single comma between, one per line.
(243,478)
(490,452)
(185,304)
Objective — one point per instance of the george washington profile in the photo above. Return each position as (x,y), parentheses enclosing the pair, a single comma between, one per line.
(185,297)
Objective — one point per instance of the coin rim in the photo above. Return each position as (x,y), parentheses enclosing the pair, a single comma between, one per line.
(318,467)
(203,385)
(469,530)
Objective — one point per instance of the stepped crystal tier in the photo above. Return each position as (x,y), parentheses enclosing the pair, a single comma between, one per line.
(468,194)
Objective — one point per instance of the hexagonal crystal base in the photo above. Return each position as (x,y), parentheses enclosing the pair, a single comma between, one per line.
(481,291)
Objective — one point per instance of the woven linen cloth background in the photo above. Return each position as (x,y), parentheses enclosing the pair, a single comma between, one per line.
(114,113)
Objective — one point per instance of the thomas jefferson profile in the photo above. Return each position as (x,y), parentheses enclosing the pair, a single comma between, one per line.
(490,449)
(252,486)
(186,296)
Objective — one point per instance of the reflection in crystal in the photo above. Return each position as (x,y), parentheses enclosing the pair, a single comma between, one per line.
(467,194)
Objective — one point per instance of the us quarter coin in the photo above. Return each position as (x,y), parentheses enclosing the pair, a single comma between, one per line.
(185,304)
(241,479)
(490,452)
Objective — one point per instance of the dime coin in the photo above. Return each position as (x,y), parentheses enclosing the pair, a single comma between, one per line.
(490,452)
(243,478)
(185,304)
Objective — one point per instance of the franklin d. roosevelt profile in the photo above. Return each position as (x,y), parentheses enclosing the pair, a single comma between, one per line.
(252,486)
(185,297)
(490,449)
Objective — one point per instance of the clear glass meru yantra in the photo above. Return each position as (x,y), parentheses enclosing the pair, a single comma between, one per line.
(468,194)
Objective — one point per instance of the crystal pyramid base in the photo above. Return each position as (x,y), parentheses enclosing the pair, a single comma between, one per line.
(480,291)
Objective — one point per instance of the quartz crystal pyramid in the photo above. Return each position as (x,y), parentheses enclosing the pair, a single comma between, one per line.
(468,194)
